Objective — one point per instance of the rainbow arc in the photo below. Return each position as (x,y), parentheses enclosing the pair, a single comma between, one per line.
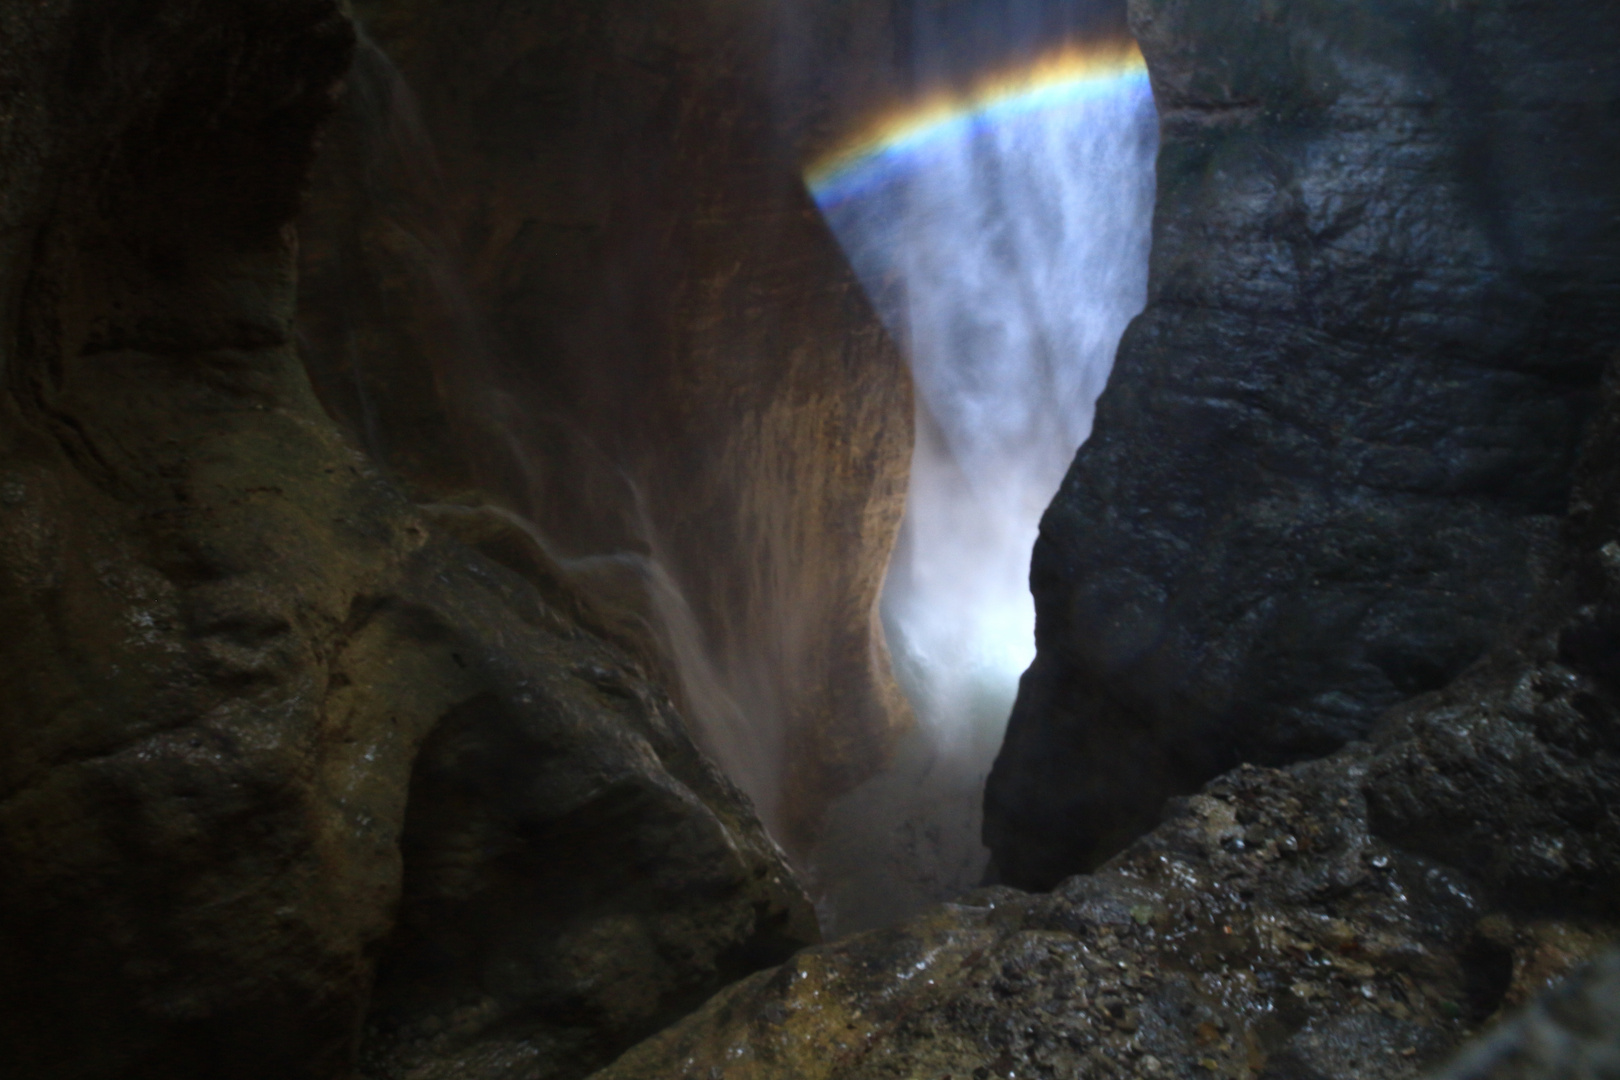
(1075,71)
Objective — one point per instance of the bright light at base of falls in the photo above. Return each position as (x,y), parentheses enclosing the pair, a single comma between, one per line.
(1004,240)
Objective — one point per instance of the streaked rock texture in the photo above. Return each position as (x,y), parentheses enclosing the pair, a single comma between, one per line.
(262,723)
(560,252)
(1327,471)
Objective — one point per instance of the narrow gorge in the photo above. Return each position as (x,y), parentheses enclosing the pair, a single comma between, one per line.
(809,540)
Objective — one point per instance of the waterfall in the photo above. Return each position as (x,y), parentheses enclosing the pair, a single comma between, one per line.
(1003,237)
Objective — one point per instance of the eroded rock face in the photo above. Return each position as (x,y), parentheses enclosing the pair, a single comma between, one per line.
(1354,916)
(1261,931)
(1357,915)
(262,724)
(561,252)
(1328,468)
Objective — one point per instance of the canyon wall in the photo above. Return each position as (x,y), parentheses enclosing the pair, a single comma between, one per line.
(289,776)
(1354,917)
(560,261)
(332,752)
(1369,398)
(1328,468)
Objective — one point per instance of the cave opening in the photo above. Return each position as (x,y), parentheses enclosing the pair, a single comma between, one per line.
(999,220)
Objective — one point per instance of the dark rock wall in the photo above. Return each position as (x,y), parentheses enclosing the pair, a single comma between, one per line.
(1513,771)
(1357,916)
(1327,471)
(561,252)
(262,725)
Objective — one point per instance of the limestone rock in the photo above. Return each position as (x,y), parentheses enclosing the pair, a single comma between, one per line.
(561,251)
(1261,931)
(1327,471)
(262,725)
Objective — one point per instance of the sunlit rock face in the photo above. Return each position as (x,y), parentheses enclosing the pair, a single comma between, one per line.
(264,728)
(1001,227)
(560,261)
(1328,467)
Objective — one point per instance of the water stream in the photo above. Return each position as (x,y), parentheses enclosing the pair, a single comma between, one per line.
(1004,240)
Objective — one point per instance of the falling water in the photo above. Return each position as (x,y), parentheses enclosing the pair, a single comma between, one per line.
(631,590)
(1004,239)
(1002,234)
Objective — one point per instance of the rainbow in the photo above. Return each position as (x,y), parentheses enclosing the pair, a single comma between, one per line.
(1082,70)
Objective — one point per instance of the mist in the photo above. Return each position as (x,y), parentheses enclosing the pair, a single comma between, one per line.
(993,197)
(1004,242)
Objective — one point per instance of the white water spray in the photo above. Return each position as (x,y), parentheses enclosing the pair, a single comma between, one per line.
(1006,248)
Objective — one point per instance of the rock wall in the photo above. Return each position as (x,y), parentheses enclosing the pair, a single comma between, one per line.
(293,781)
(1357,916)
(1327,472)
(1363,913)
(266,731)
(561,253)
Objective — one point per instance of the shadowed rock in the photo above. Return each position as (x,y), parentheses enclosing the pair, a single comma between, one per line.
(561,252)
(1327,471)
(262,725)
(1570,1032)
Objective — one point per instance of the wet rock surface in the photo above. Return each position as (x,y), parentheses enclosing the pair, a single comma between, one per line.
(1514,770)
(560,258)
(266,732)
(1261,931)
(1358,915)
(1328,469)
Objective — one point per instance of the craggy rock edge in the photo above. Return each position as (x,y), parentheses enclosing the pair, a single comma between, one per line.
(1328,470)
